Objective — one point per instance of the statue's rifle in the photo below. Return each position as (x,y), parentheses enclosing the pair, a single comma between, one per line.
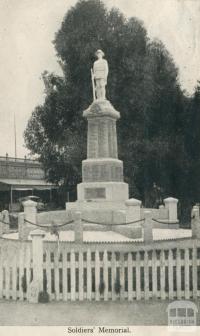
(93,86)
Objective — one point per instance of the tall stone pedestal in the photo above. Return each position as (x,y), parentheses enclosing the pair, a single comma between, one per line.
(102,195)
(102,171)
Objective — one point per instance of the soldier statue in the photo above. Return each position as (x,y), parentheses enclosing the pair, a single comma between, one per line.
(99,76)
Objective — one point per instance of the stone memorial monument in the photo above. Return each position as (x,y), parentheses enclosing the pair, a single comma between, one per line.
(102,171)
(103,196)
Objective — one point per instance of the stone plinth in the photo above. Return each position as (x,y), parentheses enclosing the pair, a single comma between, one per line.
(102,191)
(102,172)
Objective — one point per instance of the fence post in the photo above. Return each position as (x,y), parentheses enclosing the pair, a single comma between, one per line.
(148,234)
(195,222)
(78,227)
(171,205)
(30,214)
(37,250)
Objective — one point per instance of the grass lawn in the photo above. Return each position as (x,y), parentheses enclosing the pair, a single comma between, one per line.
(84,313)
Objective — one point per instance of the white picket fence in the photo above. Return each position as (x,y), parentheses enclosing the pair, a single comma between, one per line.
(15,268)
(106,271)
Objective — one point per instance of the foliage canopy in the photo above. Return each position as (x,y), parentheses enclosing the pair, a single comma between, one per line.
(142,85)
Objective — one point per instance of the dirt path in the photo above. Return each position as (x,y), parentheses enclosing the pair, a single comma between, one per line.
(84,313)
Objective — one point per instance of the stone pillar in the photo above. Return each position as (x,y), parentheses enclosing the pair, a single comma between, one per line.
(111,139)
(78,227)
(133,209)
(30,215)
(103,145)
(88,139)
(92,139)
(114,139)
(171,206)
(195,222)
(37,251)
(102,118)
(148,233)
(110,145)
(102,167)
(6,221)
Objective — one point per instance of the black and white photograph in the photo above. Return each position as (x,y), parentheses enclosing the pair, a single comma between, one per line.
(99,167)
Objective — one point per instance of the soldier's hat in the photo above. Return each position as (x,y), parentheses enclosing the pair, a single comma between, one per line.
(99,51)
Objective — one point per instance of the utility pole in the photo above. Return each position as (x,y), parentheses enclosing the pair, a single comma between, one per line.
(15,136)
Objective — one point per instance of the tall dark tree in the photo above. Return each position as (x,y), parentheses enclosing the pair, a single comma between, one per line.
(142,85)
(190,187)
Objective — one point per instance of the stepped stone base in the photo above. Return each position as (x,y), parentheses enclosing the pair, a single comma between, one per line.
(89,205)
(103,191)
(105,213)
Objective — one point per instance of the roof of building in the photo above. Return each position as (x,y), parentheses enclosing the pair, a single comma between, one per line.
(21,160)
(21,184)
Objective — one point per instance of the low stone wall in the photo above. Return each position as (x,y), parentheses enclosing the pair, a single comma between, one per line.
(93,218)
(162,213)
(56,216)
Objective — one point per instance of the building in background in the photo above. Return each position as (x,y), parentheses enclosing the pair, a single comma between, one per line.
(20,178)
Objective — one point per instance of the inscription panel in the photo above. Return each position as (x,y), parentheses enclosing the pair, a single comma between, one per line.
(98,172)
(91,193)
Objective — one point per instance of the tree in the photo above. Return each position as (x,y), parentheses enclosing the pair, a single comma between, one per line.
(142,85)
(190,188)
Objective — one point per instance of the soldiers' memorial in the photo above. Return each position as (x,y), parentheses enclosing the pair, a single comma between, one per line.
(106,246)
(105,223)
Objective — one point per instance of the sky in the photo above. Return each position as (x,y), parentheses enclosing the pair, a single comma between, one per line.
(27,28)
